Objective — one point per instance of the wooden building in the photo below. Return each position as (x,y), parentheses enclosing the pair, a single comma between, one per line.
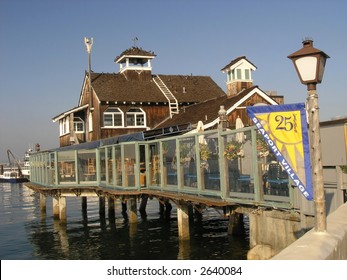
(130,101)
(240,93)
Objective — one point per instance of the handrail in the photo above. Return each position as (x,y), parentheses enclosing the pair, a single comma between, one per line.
(168,165)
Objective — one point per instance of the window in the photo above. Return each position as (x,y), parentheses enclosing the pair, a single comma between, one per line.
(78,125)
(136,117)
(238,74)
(64,126)
(113,117)
(247,76)
(90,122)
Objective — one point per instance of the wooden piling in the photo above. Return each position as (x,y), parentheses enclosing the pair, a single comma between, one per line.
(110,204)
(183,221)
(132,210)
(102,205)
(62,209)
(235,225)
(55,207)
(84,204)
(42,203)
(143,204)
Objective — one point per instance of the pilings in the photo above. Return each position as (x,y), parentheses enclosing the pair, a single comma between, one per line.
(42,203)
(129,209)
(272,231)
(183,221)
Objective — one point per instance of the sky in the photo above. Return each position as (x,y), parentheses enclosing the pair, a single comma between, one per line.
(43,57)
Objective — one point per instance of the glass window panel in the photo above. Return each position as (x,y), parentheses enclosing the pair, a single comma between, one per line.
(118,166)
(109,165)
(130,119)
(66,166)
(170,162)
(86,165)
(129,165)
(140,120)
(247,76)
(118,120)
(108,120)
(238,73)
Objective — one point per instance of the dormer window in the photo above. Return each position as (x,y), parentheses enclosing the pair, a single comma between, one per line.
(64,126)
(78,125)
(239,75)
(136,117)
(247,74)
(113,117)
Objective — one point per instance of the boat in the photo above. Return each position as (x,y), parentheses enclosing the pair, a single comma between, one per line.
(26,164)
(12,176)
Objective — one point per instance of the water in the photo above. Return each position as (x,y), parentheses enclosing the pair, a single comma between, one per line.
(26,234)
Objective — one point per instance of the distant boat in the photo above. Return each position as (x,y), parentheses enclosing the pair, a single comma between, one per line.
(15,174)
(26,164)
(12,176)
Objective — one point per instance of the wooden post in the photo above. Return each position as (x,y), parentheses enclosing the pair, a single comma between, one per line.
(110,204)
(42,203)
(132,210)
(102,205)
(55,207)
(84,204)
(183,250)
(143,204)
(183,221)
(62,209)
(235,225)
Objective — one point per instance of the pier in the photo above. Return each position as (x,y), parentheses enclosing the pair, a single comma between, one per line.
(193,171)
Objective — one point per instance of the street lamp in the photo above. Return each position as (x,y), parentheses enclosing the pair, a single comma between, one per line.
(309,63)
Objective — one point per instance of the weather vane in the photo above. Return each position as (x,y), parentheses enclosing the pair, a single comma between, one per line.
(135,41)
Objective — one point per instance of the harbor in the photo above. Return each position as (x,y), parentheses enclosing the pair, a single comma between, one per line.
(91,235)
(154,148)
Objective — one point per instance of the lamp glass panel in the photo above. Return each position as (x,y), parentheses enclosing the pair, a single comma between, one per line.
(321,69)
(307,67)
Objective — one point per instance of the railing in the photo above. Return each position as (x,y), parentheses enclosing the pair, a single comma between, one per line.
(203,164)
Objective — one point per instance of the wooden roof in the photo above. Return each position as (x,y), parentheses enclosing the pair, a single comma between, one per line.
(237,60)
(187,89)
(134,51)
(207,111)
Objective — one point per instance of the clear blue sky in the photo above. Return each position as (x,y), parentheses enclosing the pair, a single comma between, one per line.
(43,57)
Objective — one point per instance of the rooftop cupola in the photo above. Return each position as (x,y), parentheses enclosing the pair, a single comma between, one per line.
(135,60)
(239,75)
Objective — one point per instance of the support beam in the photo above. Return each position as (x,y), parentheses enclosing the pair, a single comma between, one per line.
(102,205)
(270,231)
(110,204)
(62,209)
(42,203)
(236,225)
(143,204)
(84,204)
(55,207)
(132,204)
(183,221)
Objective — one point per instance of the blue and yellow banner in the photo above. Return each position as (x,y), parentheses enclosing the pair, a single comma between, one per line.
(284,129)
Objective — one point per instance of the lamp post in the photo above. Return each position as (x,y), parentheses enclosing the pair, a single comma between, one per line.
(309,63)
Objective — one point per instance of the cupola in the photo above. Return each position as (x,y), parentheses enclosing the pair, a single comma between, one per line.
(239,75)
(135,60)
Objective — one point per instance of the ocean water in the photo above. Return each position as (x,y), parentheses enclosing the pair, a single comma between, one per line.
(27,234)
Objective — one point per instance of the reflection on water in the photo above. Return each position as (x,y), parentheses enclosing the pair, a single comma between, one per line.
(28,234)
